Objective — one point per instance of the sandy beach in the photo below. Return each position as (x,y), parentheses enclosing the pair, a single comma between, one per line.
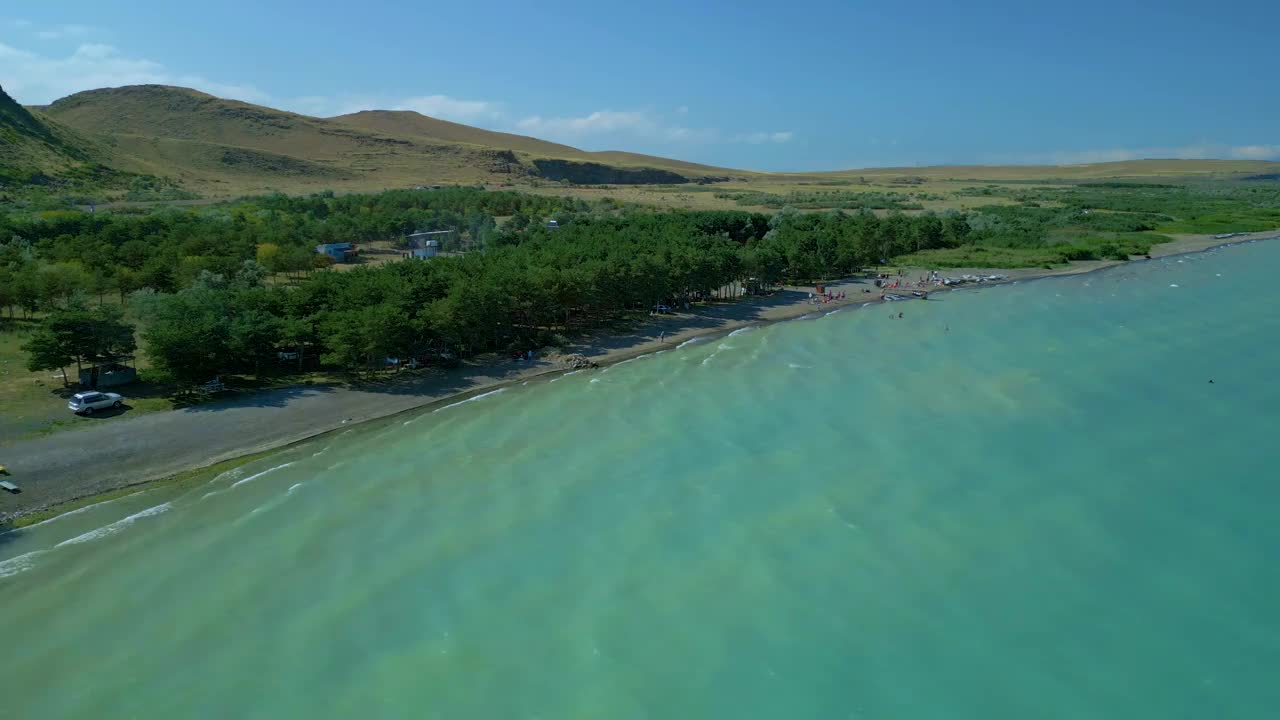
(67,468)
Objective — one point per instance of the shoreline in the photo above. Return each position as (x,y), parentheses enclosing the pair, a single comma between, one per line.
(603,348)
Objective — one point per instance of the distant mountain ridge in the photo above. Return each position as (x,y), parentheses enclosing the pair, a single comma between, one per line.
(159,138)
(219,146)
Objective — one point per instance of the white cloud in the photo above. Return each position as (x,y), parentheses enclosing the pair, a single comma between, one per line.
(1209,151)
(1256,152)
(444,106)
(760,138)
(610,126)
(39,79)
(64,31)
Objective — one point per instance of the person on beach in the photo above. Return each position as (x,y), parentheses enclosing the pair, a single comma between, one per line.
(662,336)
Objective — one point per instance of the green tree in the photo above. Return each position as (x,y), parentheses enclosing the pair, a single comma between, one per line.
(187,333)
(80,335)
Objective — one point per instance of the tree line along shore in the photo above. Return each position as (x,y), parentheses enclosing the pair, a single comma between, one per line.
(234,288)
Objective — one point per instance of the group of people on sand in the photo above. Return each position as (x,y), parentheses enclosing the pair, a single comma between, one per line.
(825,297)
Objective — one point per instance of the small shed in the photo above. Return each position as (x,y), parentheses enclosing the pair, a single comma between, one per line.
(112,374)
(428,244)
(429,249)
(340,252)
(420,239)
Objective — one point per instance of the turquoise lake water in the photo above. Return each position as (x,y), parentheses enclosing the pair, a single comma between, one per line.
(1020,502)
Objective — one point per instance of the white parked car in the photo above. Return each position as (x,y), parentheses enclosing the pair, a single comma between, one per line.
(86,402)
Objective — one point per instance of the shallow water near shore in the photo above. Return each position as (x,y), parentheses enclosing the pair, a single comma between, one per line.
(1022,501)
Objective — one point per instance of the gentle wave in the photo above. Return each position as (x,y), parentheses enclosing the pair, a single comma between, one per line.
(295,486)
(255,476)
(77,511)
(741,330)
(115,527)
(21,563)
(631,360)
(470,399)
(690,341)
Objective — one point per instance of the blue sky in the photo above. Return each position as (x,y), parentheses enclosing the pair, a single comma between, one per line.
(802,85)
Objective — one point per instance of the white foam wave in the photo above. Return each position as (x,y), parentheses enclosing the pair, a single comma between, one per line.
(595,380)
(255,476)
(1173,285)
(741,330)
(471,399)
(295,486)
(798,366)
(321,452)
(631,360)
(21,563)
(833,312)
(690,341)
(117,526)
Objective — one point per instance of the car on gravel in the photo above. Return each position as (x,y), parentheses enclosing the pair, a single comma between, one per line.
(86,403)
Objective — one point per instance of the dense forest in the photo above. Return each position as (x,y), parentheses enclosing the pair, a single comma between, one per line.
(228,288)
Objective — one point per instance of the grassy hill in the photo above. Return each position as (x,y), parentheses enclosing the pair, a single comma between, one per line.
(32,145)
(175,140)
(409,124)
(42,160)
(225,147)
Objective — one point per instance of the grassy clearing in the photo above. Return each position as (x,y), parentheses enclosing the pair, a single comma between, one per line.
(1102,246)
(35,403)
(977,256)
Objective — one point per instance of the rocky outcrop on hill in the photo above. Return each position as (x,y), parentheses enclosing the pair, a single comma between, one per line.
(589,173)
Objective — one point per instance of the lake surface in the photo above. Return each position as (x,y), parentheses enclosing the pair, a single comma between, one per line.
(1026,501)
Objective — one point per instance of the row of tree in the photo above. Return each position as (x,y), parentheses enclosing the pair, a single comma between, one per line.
(196,279)
(515,295)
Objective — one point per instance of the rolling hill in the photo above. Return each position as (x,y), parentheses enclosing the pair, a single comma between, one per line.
(219,147)
(182,140)
(34,149)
